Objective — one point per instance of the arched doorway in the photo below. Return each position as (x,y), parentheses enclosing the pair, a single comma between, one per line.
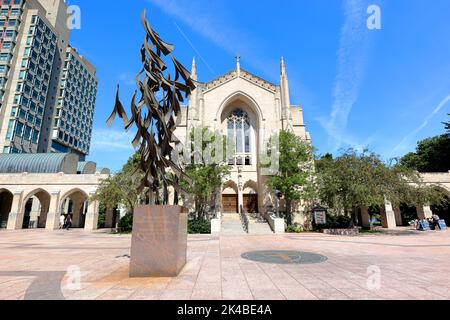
(75,203)
(250,201)
(36,207)
(6,199)
(230,198)
(408,213)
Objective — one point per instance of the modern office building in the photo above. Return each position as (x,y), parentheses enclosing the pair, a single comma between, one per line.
(75,107)
(47,91)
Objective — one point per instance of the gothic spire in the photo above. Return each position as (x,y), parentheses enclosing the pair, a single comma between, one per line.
(194,70)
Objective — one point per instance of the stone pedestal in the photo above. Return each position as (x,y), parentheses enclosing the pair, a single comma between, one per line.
(159,242)
(365,216)
(216,226)
(91,223)
(109,220)
(388,216)
(424,213)
(398,216)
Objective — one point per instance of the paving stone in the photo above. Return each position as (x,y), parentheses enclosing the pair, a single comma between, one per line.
(411,267)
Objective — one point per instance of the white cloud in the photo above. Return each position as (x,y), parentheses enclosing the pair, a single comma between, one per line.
(351,60)
(403,145)
(197,17)
(211,21)
(127,79)
(109,140)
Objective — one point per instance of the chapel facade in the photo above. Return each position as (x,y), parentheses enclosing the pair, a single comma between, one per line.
(248,110)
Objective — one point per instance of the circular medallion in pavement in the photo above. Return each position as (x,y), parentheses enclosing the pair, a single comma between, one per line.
(284,257)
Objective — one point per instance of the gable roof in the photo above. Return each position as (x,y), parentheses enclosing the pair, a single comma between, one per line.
(208,86)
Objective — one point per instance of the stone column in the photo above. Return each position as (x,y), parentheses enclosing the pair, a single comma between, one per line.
(45,205)
(109,218)
(91,223)
(66,204)
(35,213)
(365,217)
(388,216)
(77,206)
(54,212)
(424,213)
(398,216)
(15,219)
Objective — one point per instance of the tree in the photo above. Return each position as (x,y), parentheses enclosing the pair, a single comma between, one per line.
(295,175)
(356,180)
(432,155)
(121,188)
(447,126)
(205,171)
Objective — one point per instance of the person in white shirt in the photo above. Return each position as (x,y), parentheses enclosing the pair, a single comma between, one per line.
(62,221)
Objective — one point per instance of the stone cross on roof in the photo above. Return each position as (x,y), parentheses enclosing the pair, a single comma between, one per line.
(238,63)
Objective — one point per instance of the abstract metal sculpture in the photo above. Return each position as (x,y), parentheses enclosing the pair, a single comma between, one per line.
(157,114)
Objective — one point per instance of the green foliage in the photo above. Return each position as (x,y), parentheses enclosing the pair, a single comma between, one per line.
(126,223)
(199,226)
(447,126)
(121,188)
(101,216)
(206,175)
(101,221)
(432,155)
(294,229)
(336,221)
(363,180)
(295,175)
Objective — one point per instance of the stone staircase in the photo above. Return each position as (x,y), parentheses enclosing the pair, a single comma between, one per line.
(259,226)
(232,225)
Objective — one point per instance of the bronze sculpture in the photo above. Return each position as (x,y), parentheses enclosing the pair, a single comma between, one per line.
(156,120)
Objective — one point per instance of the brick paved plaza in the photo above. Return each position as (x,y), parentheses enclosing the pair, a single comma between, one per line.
(34,265)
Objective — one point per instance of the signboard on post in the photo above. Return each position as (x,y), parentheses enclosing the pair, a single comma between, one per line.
(320,216)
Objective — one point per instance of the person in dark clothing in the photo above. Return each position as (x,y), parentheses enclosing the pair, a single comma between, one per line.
(68,222)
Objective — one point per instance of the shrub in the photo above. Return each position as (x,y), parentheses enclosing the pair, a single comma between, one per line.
(342,222)
(101,220)
(126,223)
(294,229)
(336,222)
(199,226)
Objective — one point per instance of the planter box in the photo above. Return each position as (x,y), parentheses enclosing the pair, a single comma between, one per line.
(216,226)
(342,232)
(159,242)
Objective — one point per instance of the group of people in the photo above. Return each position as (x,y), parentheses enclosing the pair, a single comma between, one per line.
(65,222)
(433,223)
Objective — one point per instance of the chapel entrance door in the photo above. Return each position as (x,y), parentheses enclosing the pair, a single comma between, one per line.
(251,203)
(230,203)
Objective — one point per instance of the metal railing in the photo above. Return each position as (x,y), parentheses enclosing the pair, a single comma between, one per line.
(244,220)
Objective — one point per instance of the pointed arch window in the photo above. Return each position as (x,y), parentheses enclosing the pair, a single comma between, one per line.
(239,132)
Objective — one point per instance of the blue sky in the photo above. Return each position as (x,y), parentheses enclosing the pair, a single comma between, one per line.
(384,89)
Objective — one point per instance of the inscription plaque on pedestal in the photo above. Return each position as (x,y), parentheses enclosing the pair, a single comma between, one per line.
(159,242)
